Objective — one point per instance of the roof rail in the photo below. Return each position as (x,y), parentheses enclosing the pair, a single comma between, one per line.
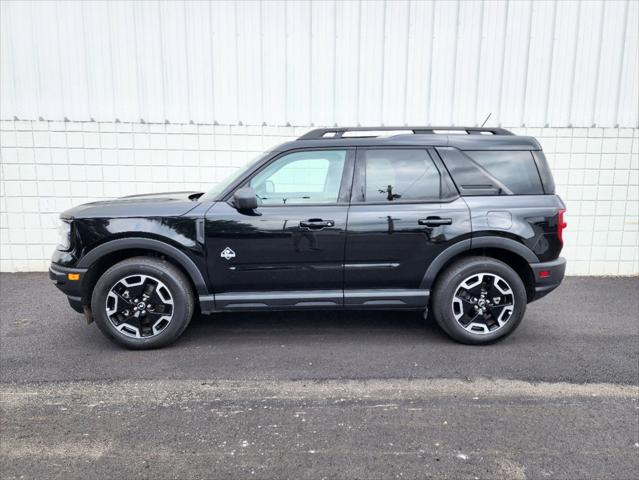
(338,132)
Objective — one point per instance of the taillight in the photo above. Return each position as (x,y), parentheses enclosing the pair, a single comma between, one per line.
(561,224)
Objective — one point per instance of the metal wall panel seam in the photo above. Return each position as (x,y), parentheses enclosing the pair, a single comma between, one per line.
(451,114)
(383,50)
(501,68)
(623,53)
(527,63)
(478,68)
(574,66)
(552,56)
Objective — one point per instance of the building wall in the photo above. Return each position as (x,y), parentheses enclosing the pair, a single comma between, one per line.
(48,167)
(529,63)
(103,99)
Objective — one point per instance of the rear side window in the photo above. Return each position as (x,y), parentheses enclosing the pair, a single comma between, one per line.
(516,170)
(493,172)
(392,175)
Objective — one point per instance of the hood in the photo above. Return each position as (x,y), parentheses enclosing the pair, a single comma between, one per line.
(168,204)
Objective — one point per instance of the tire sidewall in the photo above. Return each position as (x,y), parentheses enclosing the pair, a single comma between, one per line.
(166,274)
(446,289)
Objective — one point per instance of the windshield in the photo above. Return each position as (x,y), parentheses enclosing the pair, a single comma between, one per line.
(220,186)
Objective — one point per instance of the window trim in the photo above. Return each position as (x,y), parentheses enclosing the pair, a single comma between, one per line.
(344,188)
(359,177)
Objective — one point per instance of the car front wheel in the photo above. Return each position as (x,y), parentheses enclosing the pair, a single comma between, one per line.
(142,303)
(479,300)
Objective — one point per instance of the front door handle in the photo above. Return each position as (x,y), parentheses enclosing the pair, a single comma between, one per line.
(316,223)
(434,221)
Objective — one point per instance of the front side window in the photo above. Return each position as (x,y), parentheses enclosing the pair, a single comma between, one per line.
(301,177)
(401,175)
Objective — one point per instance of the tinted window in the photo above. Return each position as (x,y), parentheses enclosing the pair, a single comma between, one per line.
(301,177)
(516,170)
(400,174)
(492,172)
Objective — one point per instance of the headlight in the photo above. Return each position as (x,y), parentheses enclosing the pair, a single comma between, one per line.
(64,233)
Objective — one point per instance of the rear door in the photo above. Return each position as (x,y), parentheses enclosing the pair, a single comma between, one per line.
(404,212)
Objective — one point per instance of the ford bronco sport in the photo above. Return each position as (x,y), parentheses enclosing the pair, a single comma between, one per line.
(461,222)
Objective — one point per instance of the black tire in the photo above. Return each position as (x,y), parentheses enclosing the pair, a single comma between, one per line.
(448,284)
(172,278)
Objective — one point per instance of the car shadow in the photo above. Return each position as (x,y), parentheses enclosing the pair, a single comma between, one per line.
(265,325)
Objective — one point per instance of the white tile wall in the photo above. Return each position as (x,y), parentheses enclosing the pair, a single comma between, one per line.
(48,167)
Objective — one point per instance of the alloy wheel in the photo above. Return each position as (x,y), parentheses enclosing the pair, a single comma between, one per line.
(139,306)
(483,303)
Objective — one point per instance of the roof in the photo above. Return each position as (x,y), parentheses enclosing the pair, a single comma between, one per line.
(463,138)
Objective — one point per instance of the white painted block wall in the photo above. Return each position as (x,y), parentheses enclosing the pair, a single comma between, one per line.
(48,167)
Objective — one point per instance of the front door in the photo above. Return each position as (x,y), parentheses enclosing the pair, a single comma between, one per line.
(289,252)
(404,212)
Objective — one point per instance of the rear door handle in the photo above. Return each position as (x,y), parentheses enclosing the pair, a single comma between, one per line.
(317,223)
(434,221)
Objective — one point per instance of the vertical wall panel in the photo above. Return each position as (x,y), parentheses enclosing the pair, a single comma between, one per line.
(225,61)
(347,61)
(397,30)
(149,59)
(19,38)
(249,63)
(530,63)
(540,61)
(298,62)
(443,65)
(587,63)
(73,63)
(467,64)
(420,51)
(97,41)
(8,94)
(123,60)
(199,51)
(274,62)
(371,63)
(176,68)
(516,63)
(491,65)
(564,61)
(612,43)
(628,87)
(323,53)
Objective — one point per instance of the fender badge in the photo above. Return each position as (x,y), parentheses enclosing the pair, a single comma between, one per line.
(227,253)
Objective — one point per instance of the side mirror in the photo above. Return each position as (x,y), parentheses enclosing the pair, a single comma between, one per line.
(245,199)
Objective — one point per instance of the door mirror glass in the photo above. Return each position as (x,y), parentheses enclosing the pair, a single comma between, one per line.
(245,199)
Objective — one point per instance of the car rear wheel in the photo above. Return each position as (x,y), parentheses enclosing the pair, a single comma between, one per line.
(142,303)
(479,300)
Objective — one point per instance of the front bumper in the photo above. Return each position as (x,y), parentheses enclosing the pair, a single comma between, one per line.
(547,276)
(71,288)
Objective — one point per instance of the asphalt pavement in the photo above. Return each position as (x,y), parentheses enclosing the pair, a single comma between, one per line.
(323,394)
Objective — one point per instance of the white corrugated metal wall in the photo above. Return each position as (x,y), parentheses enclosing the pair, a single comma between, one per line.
(539,63)
(564,72)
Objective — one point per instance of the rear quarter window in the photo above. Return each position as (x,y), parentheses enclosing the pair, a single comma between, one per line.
(490,172)
(515,169)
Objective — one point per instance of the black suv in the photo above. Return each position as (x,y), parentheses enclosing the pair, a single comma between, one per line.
(461,222)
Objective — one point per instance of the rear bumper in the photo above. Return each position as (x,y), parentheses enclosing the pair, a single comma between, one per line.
(71,288)
(547,276)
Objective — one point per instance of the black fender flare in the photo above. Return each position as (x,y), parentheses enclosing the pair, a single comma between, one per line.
(148,244)
(470,243)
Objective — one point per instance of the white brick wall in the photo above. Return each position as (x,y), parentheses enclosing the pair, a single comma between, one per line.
(48,167)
